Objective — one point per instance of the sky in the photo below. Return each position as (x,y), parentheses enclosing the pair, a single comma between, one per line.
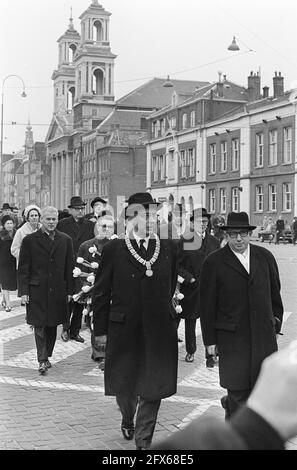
(156,38)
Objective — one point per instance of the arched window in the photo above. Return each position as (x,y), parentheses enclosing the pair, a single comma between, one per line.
(97,31)
(98,82)
(70,98)
(182,202)
(72,51)
(191,204)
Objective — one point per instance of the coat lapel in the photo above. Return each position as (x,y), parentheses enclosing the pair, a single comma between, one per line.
(55,242)
(254,262)
(43,240)
(234,262)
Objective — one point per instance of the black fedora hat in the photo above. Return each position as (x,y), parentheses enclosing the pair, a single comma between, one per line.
(76,201)
(238,220)
(200,212)
(6,206)
(98,199)
(138,200)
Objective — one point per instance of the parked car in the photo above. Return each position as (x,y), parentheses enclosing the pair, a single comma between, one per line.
(266,235)
(286,236)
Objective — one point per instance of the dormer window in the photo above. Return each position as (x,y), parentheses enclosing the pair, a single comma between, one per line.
(185,121)
(174,99)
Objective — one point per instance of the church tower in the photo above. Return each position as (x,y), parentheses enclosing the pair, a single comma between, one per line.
(64,76)
(29,141)
(94,69)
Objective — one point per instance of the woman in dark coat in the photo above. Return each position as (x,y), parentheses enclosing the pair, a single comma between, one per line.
(7,261)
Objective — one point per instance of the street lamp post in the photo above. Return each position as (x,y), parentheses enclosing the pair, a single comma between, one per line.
(1,143)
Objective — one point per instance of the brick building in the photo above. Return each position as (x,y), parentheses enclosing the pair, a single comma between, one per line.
(241,158)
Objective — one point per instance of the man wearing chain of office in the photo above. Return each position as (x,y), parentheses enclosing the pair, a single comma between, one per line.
(135,318)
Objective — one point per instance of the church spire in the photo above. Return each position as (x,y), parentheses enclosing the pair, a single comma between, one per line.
(71,26)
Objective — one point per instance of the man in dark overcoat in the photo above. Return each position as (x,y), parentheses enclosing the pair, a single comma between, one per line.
(45,282)
(134,316)
(79,230)
(195,245)
(241,309)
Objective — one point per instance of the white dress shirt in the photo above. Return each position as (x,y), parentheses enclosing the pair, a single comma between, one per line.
(244,258)
(146,240)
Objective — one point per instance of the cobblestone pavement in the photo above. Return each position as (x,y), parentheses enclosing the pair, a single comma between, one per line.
(67,409)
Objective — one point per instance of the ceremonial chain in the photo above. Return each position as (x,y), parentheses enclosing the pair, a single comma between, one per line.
(138,258)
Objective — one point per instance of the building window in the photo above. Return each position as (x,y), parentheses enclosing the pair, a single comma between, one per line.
(212,201)
(183,163)
(155,168)
(235,200)
(193,118)
(191,154)
(272,198)
(162,126)
(173,122)
(185,121)
(272,157)
(212,158)
(223,200)
(287,157)
(235,155)
(223,157)
(259,149)
(259,198)
(162,167)
(287,197)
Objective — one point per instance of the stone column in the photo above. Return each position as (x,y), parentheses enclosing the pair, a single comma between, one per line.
(63,181)
(53,182)
(58,182)
(68,177)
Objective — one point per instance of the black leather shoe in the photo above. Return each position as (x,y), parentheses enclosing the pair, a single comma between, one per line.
(65,335)
(42,369)
(77,338)
(48,364)
(128,433)
(210,362)
(224,401)
(189,357)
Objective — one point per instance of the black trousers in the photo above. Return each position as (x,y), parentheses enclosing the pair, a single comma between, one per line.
(75,317)
(235,398)
(146,417)
(45,339)
(190,334)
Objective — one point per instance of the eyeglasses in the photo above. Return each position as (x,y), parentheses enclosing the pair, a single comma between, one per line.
(106,227)
(242,233)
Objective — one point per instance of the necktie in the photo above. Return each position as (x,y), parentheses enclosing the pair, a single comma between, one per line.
(142,248)
(51,236)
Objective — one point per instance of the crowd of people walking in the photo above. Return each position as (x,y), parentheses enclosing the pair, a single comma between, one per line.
(123,273)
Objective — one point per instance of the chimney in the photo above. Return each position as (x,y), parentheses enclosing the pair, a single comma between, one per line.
(278,85)
(265,91)
(254,86)
(220,89)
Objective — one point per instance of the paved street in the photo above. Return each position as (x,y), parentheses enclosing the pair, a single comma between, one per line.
(67,409)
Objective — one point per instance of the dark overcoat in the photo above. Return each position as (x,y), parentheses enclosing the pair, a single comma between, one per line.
(79,232)
(136,313)
(190,264)
(240,313)
(45,274)
(8,277)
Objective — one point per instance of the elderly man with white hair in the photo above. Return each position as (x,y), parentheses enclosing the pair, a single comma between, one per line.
(45,282)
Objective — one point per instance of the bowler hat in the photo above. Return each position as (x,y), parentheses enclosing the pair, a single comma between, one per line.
(140,199)
(238,220)
(98,199)
(200,212)
(76,201)
(6,206)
